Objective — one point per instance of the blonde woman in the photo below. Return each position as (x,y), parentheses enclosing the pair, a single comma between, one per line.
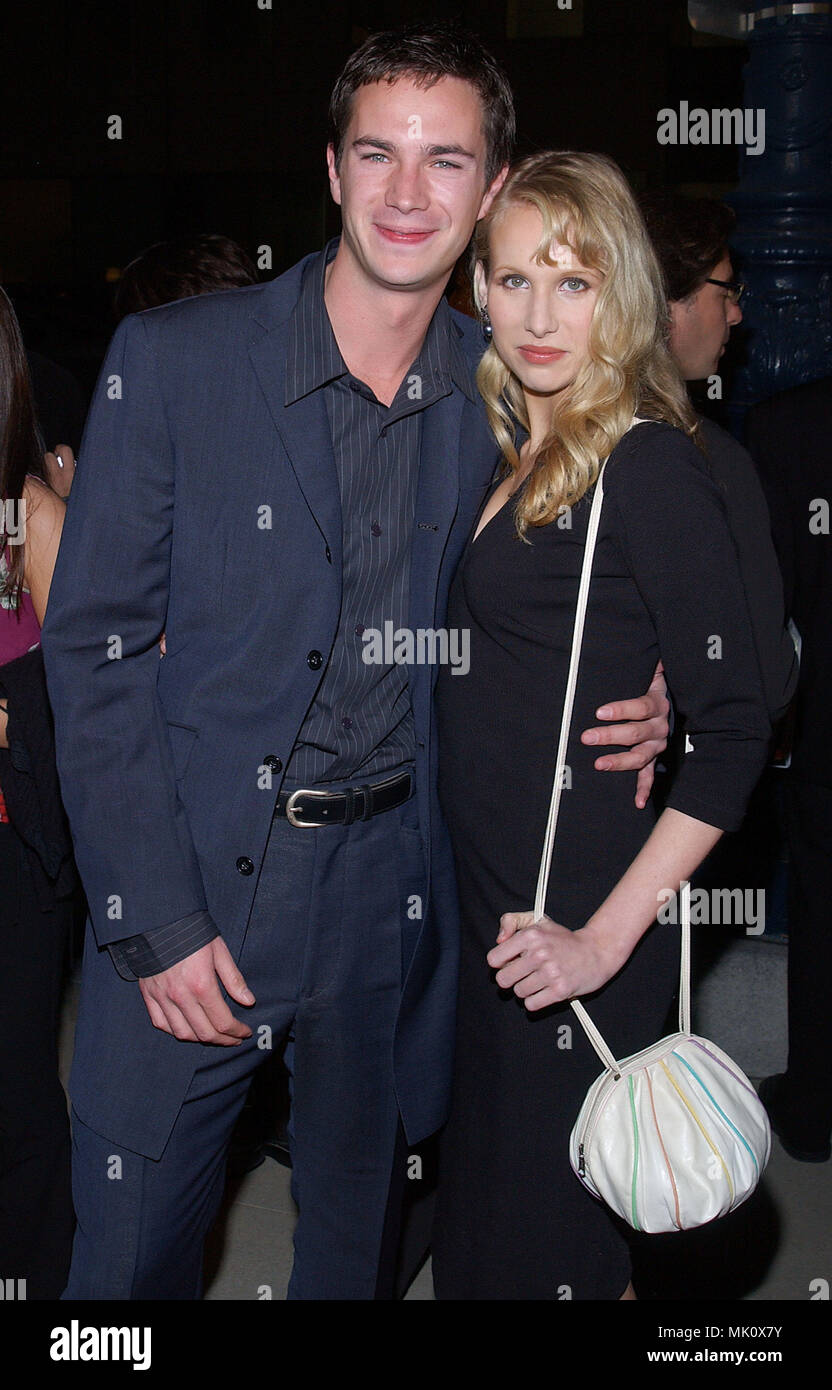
(568,284)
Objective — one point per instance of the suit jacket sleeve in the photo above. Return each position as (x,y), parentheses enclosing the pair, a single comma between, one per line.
(151,952)
(107,609)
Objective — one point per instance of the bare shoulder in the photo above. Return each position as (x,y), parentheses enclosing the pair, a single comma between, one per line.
(44,519)
(45,510)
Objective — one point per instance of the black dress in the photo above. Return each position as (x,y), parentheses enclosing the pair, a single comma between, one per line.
(513,1221)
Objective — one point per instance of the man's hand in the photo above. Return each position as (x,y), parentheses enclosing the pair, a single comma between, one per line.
(644,733)
(186,1001)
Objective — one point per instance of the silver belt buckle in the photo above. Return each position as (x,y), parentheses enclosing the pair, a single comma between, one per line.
(291,814)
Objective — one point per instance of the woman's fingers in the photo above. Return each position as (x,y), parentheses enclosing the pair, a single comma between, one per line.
(536,936)
(544,998)
(511,975)
(512,922)
(547,963)
(60,469)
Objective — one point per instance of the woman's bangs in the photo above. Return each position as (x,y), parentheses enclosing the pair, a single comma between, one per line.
(564,226)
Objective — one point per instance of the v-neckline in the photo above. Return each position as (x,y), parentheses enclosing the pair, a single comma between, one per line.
(480,530)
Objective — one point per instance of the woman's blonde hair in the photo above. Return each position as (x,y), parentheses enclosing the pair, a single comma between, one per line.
(585,203)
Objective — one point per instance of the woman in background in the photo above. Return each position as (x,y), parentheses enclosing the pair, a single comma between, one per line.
(36,1217)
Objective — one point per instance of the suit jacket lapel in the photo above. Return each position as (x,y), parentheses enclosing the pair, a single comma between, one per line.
(437,498)
(304,430)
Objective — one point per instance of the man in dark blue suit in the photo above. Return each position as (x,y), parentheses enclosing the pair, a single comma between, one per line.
(270,476)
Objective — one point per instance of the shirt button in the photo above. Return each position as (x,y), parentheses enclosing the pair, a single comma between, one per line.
(346,722)
(375,529)
(273,762)
(245,865)
(314,661)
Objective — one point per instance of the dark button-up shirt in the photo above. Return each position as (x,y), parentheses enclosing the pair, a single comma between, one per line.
(360,722)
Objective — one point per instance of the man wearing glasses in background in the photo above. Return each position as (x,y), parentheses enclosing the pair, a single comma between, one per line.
(690,237)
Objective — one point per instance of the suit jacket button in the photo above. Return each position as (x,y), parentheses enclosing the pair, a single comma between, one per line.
(314,661)
(273,762)
(245,865)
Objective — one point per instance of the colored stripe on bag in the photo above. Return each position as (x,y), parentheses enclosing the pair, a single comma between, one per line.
(718,1108)
(635,1155)
(664,1150)
(732,1074)
(709,1141)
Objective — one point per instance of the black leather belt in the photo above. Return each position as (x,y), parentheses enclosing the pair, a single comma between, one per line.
(307,806)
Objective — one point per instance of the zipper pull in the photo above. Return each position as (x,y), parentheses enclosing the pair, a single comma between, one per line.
(581,1164)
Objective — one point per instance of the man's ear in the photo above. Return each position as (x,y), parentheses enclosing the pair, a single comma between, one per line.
(334,178)
(480,291)
(492,191)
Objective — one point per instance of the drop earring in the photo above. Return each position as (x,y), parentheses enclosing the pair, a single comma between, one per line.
(485,324)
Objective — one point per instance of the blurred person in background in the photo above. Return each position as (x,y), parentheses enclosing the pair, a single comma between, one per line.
(180,268)
(789,439)
(690,238)
(37,877)
(59,402)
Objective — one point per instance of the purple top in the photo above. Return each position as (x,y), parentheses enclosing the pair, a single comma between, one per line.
(19,632)
(19,628)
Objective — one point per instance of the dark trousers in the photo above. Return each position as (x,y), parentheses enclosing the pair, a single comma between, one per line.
(331,933)
(36,1219)
(807,1096)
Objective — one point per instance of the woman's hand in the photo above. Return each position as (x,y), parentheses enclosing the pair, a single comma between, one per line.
(545,963)
(60,469)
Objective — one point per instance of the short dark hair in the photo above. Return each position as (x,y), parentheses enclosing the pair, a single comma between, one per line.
(427,53)
(690,236)
(180,269)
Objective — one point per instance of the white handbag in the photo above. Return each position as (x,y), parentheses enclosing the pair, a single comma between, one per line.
(674,1135)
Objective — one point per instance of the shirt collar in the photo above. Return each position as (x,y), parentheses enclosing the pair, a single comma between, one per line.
(313,357)
(442,353)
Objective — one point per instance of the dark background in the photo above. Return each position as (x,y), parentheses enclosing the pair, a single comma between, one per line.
(223,109)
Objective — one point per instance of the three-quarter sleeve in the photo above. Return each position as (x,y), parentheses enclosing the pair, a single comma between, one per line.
(677,545)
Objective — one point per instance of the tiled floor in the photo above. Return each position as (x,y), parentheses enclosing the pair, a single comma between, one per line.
(774,1247)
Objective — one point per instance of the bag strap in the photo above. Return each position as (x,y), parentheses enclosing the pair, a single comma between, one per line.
(585,1021)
